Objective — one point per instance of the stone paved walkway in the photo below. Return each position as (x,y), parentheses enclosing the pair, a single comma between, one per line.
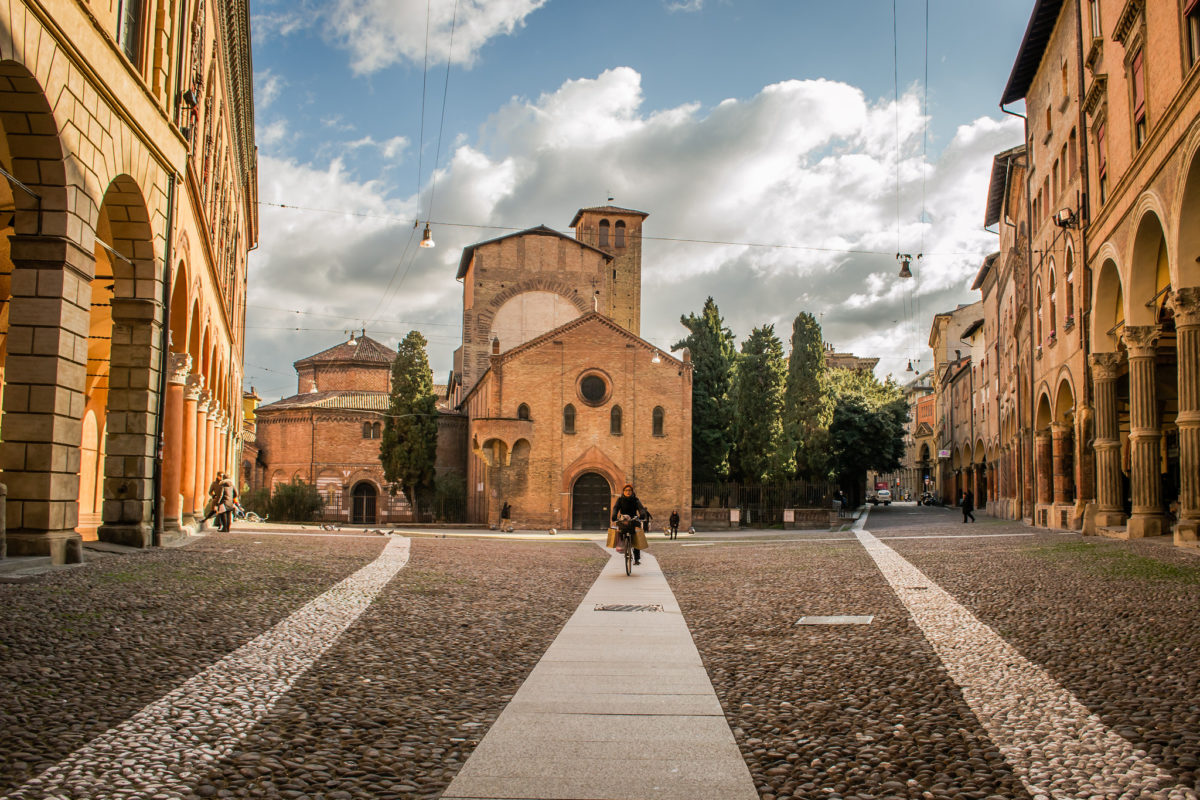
(620,707)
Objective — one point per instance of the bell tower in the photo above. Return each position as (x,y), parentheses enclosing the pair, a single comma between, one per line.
(618,232)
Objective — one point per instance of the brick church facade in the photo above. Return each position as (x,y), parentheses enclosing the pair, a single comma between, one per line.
(564,402)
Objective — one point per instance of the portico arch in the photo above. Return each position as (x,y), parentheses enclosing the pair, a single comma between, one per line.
(45,275)
(124,228)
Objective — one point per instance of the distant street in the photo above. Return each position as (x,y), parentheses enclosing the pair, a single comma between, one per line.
(1079,677)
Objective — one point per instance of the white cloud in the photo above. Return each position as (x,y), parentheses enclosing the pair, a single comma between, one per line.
(808,167)
(686,5)
(267,86)
(272,134)
(379,33)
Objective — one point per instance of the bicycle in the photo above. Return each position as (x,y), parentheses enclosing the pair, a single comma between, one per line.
(625,535)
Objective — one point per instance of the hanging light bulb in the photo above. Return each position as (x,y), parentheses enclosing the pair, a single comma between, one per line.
(427,237)
(905,259)
(657,359)
(910,367)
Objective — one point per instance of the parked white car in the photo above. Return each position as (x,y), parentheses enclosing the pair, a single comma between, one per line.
(881,496)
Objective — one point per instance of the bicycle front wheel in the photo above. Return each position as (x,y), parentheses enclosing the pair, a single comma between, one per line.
(629,560)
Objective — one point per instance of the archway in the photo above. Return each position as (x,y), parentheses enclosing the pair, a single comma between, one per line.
(41,457)
(125,248)
(364,498)
(591,502)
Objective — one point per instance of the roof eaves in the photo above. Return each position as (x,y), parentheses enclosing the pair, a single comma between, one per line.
(998,185)
(1033,45)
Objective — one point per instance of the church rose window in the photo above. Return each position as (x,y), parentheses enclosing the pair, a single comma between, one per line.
(593,388)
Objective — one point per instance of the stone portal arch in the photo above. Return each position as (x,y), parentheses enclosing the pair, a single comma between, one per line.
(591,502)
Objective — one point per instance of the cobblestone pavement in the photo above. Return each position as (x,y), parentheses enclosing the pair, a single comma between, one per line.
(397,703)
(391,710)
(872,711)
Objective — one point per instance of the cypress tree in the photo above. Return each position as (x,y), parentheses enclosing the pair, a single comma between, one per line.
(808,407)
(760,450)
(713,354)
(408,449)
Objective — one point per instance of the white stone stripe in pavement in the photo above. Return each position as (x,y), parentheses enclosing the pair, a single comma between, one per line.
(162,750)
(1054,744)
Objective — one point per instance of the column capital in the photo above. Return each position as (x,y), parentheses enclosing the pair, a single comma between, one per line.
(1185,303)
(204,398)
(194,387)
(1140,340)
(178,367)
(1105,366)
(1059,429)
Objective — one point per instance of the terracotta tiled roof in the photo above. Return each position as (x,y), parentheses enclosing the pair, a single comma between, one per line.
(364,350)
(349,401)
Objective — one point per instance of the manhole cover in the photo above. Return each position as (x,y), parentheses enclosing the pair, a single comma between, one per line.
(837,620)
(619,607)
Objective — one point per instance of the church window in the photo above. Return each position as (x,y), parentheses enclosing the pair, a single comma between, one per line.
(593,388)
(366,430)
(619,233)
(614,421)
(569,419)
(657,421)
(523,411)
(604,228)
(377,430)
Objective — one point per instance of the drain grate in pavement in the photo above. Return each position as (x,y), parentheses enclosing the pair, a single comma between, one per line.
(620,607)
(837,620)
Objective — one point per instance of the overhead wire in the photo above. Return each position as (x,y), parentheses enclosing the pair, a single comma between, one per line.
(678,239)
(442,125)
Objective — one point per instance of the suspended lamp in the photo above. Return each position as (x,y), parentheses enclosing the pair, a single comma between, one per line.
(656,359)
(910,366)
(905,259)
(427,237)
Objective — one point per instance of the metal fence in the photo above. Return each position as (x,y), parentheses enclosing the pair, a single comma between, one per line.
(762,503)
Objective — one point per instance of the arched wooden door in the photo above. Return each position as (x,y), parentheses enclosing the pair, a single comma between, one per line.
(590,502)
(364,500)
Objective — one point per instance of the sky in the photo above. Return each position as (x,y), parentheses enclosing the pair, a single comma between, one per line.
(785,150)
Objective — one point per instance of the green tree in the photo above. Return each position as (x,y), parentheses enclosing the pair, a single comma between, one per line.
(867,432)
(808,407)
(408,449)
(713,354)
(760,451)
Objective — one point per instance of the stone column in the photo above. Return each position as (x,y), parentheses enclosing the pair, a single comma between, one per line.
(200,490)
(44,381)
(133,405)
(1110,506)
(210,443)
(178,366)
(1145,436)
(1085,474)
(1186,305)
(187,479)
(1043,464)
(1063,455)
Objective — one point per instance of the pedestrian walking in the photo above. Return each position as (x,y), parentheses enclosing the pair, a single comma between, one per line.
(214,492)
(673,522)
(968,505)
(223,503)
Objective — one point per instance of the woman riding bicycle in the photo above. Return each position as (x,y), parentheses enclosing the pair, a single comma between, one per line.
(628,512)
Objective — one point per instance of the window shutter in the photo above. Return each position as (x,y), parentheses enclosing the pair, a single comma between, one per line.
(1139,86)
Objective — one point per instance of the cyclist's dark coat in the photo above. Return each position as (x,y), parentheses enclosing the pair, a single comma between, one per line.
(630,506)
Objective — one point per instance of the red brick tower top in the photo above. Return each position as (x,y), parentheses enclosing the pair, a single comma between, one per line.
(618,232)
